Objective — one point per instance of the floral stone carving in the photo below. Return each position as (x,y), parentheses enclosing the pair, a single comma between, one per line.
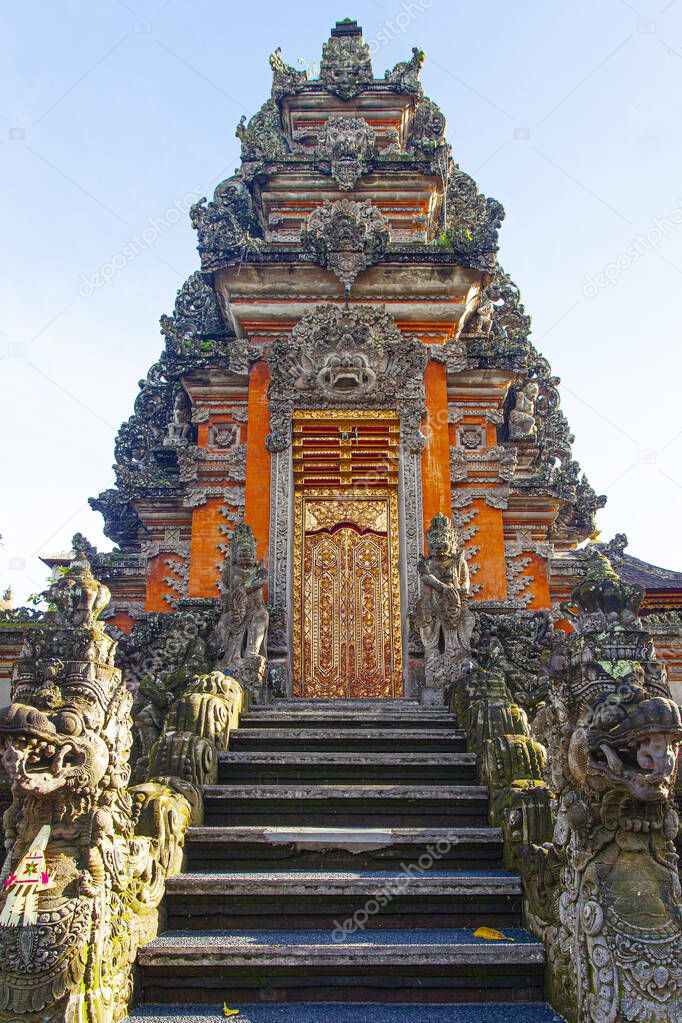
(286,80)
(345,237)
(471,221)
(228,224)
(427,131)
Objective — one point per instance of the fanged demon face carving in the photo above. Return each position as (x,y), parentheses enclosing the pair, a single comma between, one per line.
(57,742)
(628,742)
(346,373)
(346,137)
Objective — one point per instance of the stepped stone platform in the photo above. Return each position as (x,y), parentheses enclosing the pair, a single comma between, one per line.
(393,805)
(323,767)
(345,861)
(386,965)
(389,738)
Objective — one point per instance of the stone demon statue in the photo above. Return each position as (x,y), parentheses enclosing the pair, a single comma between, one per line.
(584,795)
(442,613)
(87,856)
(242,629)
(613,736)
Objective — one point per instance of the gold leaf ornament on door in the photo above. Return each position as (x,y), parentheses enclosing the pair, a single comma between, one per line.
(347,614)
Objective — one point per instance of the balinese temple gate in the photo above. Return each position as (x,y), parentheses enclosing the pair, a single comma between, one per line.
(349,362)
(351,724)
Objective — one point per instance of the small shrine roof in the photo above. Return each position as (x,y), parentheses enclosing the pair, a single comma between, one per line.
(641,573)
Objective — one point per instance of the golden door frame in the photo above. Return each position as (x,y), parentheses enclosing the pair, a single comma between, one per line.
(363,504)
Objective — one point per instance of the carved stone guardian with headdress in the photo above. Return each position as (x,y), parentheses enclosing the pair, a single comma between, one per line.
(180,426)
(613,736)
(442,613)
(522,425)
(84,874)
(242,629)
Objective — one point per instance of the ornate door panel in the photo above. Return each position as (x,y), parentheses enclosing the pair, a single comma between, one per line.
(347,640)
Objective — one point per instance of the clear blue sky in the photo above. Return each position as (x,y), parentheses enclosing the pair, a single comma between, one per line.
(114,115)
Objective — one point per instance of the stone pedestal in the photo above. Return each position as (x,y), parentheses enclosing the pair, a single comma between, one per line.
(251,673)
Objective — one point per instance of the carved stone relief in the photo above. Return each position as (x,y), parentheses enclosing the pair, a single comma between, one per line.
(347,357)
(348,145)
(494,497)
(471,437)
(346,67)
(345,237)
(223,435)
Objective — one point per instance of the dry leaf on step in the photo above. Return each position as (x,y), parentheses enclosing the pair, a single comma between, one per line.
(490,934)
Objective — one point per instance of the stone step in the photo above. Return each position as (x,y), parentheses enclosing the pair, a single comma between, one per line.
(332,768)
(493,1012)
(363,740)
(346,805)
(334,705)
(426,966)
(321,899)
(368,848)
(366,720)
(331,707)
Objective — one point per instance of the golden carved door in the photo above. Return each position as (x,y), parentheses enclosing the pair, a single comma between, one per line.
(346,592)
(347,635)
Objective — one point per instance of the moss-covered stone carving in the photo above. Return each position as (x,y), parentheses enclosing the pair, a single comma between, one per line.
(106,847)
(587,805)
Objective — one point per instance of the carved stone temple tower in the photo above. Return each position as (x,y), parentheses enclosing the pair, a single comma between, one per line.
(360,698)
(349,362)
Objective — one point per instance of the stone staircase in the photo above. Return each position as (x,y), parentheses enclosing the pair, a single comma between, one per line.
(344,864)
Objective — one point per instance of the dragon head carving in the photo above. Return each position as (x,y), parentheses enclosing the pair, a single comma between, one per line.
(627,741)
(45,753)
(60,737)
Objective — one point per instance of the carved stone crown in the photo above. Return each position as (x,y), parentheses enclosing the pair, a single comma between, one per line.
(441,533)
(243,544)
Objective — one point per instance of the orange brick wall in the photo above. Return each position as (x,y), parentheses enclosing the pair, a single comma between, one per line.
(490,538)
(205,556)
(436,495)
(156,587)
